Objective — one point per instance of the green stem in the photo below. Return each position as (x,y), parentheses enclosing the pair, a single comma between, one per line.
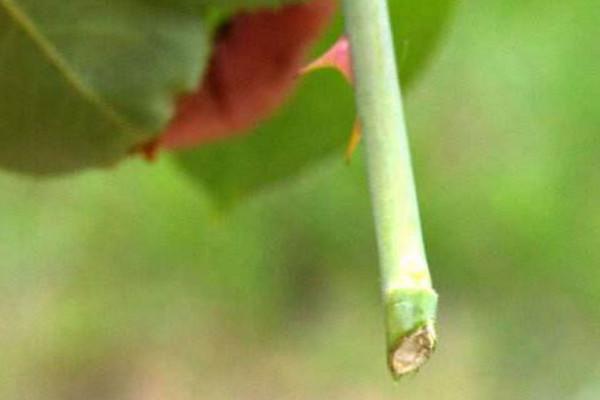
(409,299)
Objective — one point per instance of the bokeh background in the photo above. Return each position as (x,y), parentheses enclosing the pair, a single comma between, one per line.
(131,284)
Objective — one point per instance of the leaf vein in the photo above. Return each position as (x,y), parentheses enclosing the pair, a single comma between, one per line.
(51,53)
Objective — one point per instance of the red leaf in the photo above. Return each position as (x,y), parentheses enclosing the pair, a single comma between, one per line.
(253,69)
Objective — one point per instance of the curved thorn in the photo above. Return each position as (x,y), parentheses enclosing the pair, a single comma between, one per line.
(337,57)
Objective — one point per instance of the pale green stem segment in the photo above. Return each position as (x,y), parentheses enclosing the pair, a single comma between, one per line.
(409,299)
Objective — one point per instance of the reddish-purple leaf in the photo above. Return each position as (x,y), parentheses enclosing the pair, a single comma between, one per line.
(253,69)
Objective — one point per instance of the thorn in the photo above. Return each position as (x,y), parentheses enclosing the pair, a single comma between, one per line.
(355,139)
(337,57)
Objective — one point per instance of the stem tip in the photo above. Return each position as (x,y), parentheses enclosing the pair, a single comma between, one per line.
(412,351)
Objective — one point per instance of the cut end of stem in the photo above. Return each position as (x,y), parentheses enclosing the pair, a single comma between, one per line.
(410,328)
(412,351)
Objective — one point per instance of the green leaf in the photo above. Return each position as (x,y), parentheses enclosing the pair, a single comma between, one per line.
(418,27)
(317,123)
(303,128)
(83,81)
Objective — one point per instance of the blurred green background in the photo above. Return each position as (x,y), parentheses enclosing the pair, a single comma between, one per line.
(129,285)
